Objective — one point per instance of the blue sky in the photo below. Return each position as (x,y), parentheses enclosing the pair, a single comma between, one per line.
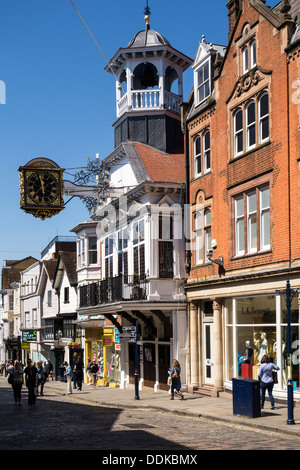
(60,102)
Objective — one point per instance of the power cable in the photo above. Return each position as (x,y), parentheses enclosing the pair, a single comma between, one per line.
(76,9)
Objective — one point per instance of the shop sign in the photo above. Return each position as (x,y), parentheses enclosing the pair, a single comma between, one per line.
(117,333)
(28,335)
(25,346)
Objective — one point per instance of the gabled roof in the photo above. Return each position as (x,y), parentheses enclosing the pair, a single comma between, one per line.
(149,164)
(66,260)
(161,166)
(12,270)
(50,267)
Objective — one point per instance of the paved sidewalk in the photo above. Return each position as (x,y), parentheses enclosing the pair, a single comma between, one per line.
(217,409)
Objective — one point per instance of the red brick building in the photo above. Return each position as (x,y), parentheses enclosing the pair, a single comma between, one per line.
(242,140)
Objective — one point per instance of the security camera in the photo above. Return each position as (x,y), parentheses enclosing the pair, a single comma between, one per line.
(209,254)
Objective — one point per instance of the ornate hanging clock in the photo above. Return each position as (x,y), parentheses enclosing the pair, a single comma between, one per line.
(41,186)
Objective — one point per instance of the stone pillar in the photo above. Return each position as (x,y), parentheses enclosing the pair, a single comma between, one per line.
(218,345)
(194,349)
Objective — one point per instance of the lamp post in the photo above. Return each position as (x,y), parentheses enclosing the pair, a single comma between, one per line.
(136,375)
(288,295)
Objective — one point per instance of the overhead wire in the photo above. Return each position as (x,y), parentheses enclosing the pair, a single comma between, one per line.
(92,36)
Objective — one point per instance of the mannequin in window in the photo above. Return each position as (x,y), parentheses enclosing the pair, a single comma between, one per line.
(282,358)
(248,353)
(263,346)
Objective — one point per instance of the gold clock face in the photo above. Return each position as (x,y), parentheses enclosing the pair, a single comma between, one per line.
(43,188)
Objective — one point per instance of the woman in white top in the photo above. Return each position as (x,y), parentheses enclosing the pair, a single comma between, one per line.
(265,374)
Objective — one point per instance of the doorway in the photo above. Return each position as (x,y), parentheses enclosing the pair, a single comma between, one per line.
(208,364)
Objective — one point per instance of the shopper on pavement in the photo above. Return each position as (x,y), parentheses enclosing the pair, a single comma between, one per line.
(88,371)
(94,372)
(265,374)
(176,382)
(16,375)
(41,378)
(79,373)
(68,375)
(31,380)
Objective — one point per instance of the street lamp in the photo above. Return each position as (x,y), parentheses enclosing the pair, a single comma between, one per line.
(288,295)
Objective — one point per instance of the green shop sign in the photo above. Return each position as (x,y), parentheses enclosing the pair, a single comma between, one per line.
(29,335)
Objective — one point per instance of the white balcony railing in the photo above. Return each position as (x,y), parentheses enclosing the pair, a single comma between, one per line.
(148,99)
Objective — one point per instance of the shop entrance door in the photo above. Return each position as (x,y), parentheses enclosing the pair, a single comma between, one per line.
(208,364)
(164,364)
(149,365)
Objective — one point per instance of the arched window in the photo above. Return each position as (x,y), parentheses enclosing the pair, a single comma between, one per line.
(197,153)
(250,125)
(253,53)
(206,151)
(263,110)
(245,54)
(238,132)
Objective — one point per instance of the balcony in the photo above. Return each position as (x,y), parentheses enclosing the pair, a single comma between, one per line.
(149,99)
(114,289)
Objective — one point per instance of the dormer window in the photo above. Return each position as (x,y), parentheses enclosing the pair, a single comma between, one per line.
(203,82)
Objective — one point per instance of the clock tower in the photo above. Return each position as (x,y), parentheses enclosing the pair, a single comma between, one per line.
(149,90)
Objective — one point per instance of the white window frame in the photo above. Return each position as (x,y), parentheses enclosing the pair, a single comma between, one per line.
(264,213)
(253,51)
(251,222)
(238,132)
(239,220)
(203,234)
(198,156)
(263,118)
(257,217)
(245,54)
(206,152)
(94,250)
(250,125)
(204,82)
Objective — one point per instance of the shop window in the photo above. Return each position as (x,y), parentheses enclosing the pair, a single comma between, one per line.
(256,326)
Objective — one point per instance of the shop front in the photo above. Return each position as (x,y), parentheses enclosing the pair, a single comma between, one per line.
(103,346)
(256,325)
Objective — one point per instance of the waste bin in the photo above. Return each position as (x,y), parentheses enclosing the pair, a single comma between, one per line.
(60,373)
(246,397)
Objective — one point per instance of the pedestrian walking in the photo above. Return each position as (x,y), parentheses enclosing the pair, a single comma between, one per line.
(41,378)
(94,372)
(46,371)
(31,380)
(79,373)
(176,382)
(50,368)
(88,371)
(68,375)
(16,380)
(265,375)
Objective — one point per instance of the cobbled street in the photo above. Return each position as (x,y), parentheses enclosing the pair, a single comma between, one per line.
(69,423)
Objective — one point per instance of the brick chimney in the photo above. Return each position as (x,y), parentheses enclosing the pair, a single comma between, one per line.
(234,8)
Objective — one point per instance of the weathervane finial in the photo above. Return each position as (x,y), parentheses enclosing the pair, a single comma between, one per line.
(147,15)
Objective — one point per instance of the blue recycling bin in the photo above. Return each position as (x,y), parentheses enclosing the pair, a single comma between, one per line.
(246,397)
